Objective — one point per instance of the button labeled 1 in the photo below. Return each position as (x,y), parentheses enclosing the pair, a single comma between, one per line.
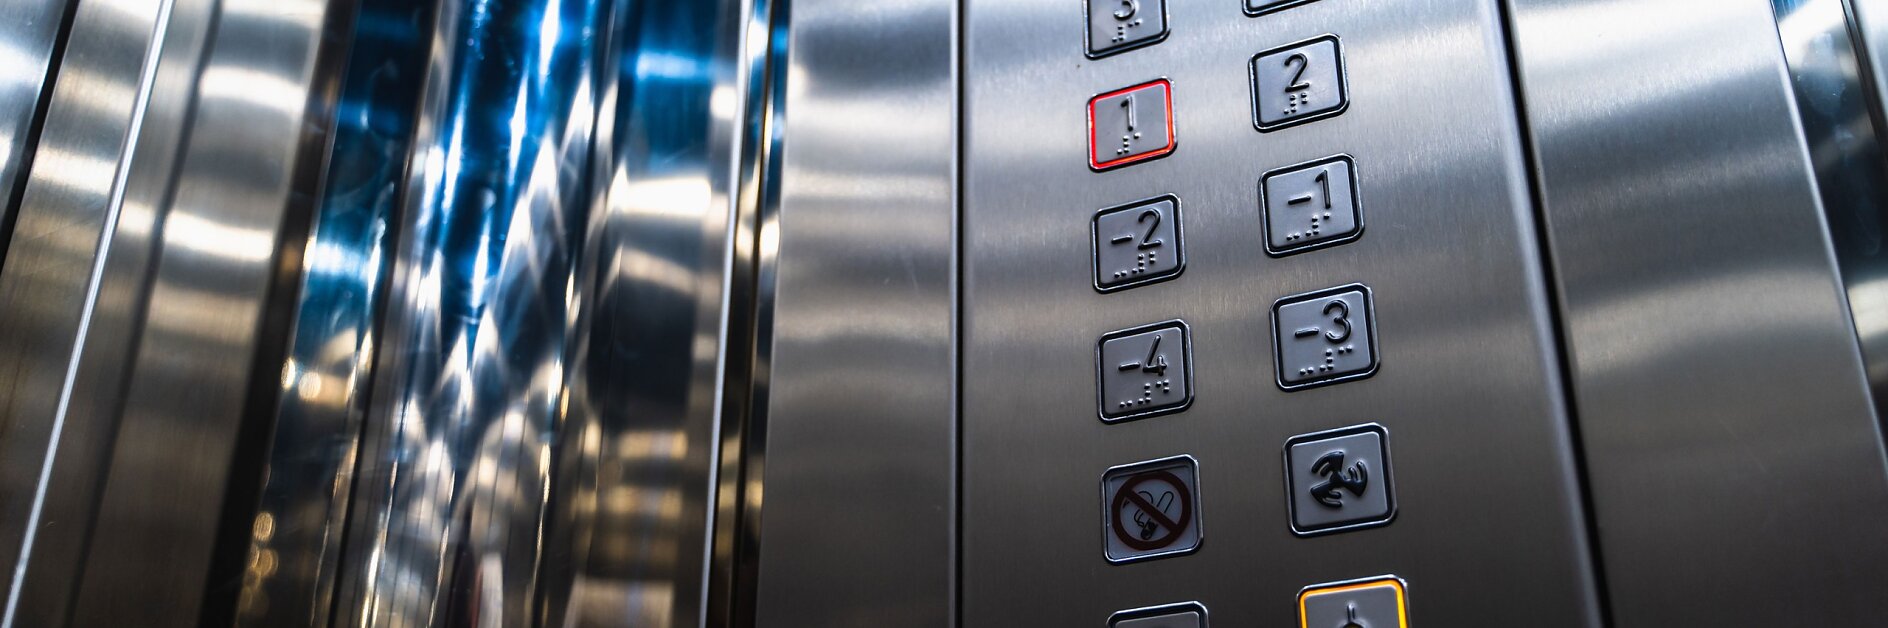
(1324,337)
(1138,243)
(1339,480)
(1145,371)
(1184,615)
(1379,602)
(1297,83)
(1122,25)
(1311,205)
(1130,124)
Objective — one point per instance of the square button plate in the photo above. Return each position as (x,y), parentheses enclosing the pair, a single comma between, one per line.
(1144,371)
(1138,243)
(1311,205)
(1324,337)
(1339,480)
(1123,25)
(1380,602)
(1183,615)
(1151,509)
(1130,125)
(1298,83)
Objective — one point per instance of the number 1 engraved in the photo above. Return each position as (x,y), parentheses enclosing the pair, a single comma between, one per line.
(1128,103)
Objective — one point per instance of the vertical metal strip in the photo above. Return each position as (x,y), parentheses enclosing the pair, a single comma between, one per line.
(33,34)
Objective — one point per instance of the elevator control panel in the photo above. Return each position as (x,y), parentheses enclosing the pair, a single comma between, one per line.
(1213,328)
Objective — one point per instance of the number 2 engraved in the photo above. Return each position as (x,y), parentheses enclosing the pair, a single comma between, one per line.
(1148,240)
(1298,84)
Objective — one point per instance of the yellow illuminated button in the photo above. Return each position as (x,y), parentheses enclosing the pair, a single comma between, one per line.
(1368,603)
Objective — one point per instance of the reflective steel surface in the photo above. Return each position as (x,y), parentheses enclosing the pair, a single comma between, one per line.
(297,530)
(1488,528)
(454,478)
(859,516)
(1714,366)
(29,30)
(1840,116)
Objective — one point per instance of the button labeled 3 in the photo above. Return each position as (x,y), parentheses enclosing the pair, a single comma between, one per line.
(1122,25)
(1324,337)
(1145,371)
(1310,205)
(1130,125)
(1339,480)
(1150,509)
(1184,615)
(1379,602)
(1298,83)
(1138,243)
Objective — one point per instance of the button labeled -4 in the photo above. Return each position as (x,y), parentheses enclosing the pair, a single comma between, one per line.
(1324,337)
(1145,371)
(1130,125)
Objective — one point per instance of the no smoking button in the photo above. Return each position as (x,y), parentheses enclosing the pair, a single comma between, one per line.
(1150,509)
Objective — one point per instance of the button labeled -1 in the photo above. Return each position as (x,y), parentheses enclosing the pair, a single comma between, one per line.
(1130,125)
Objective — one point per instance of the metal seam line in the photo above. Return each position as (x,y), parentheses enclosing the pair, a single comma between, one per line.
(147,75)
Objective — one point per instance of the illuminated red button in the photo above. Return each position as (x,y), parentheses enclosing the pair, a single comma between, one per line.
(1130,125)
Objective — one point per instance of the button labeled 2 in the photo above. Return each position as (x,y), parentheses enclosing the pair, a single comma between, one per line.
(1311,205)
(1130,125)
(1324,337)
(1122,25)
(1138,243)
(1145,371)
(1298,83)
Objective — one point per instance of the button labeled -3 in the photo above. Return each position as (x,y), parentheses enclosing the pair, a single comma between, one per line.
(1324,337)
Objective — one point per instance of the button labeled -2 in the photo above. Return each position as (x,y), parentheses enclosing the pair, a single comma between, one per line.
(1130,125)
(1138,243)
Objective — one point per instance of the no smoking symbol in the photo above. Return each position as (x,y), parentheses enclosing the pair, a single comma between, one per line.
(1151,510)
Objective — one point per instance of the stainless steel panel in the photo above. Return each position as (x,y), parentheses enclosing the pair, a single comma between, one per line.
(307,468)
(73,289)
(858,516)
(28,31)
(170,166)
(455,463)
(1489,519)
(1713,362)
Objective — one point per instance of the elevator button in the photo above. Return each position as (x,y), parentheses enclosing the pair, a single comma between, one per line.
(1121,25)
(1138,243)
(1310,205)
(1130,124)
(1298,83)
(1324,337)
(1380,602)
(1339,480)
(1150,509)
(1186,615)
(1262,7)
(1145,371)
